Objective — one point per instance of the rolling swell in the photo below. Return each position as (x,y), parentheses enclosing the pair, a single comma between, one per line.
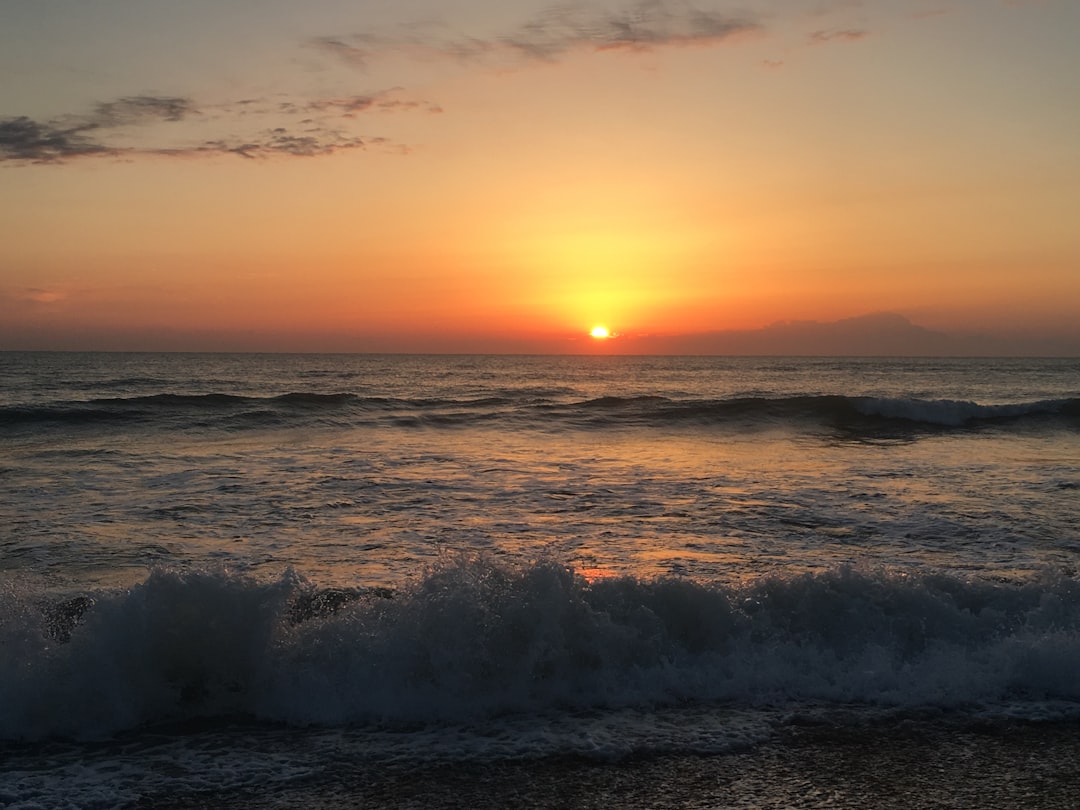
(472,639)
(835,410)
(847,414)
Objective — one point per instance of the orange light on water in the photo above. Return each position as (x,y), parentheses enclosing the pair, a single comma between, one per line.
(592,575)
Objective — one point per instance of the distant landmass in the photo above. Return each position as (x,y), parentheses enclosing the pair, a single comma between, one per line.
(881,334)
(877,334)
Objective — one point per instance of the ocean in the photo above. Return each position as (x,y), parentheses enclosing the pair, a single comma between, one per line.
(261,580)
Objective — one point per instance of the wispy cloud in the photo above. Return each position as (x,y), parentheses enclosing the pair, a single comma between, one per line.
(26,140)
(140,109)
(276,142)
(289,128)
(23,139)
(645,26)
(352,106)
(558,31)
(39,295)
(355,52)
(838,35)
(266,127)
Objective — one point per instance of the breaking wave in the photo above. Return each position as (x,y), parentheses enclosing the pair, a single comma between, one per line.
(472,639)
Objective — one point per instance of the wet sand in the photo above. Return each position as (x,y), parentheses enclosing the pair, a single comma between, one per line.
(904,765)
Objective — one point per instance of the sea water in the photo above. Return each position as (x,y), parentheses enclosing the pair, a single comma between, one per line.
(223,571)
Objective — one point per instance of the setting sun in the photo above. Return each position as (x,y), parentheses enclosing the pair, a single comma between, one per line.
(600,332)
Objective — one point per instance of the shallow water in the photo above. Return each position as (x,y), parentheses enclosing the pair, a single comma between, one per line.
(359,470)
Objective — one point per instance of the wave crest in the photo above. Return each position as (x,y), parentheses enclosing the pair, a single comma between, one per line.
(472,639)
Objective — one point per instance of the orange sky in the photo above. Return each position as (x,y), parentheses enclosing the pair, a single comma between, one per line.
(488,177)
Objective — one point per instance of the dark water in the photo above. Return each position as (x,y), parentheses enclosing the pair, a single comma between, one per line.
(225,573)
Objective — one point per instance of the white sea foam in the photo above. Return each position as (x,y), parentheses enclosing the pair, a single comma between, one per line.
(473,640)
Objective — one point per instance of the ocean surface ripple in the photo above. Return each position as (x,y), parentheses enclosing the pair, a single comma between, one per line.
(222,576)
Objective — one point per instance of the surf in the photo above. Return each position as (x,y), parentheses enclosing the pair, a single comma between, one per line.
(472,639)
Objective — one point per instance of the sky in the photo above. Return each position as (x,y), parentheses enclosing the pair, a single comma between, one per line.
(412,175)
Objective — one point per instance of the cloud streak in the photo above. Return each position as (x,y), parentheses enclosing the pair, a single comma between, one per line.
(108,130)
(276,142)
(558,31)
(140,109)
(644,27)
(351,106)
(838,35)
(146,125)
(41,296)
(23,139)
(355,54)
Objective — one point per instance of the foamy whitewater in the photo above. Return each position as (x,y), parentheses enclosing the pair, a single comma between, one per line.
(220,573)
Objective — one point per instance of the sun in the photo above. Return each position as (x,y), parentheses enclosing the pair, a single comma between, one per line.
(600,332)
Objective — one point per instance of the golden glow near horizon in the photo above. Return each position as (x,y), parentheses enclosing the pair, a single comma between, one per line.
(500,180)
(600,332)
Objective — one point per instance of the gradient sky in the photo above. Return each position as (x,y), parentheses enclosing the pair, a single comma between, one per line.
(503,176)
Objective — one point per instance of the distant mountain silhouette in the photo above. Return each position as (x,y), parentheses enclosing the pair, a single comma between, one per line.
(876,334)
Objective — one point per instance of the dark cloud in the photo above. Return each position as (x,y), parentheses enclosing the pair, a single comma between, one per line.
(97,134)
(350,106)
(839,35)
(279,141)
(23,139)
(343,107)
(562,29)
(347,106)
(355,54)
(645,26)
(140,109)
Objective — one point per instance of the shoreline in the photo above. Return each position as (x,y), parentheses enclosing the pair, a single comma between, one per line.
(898,765)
